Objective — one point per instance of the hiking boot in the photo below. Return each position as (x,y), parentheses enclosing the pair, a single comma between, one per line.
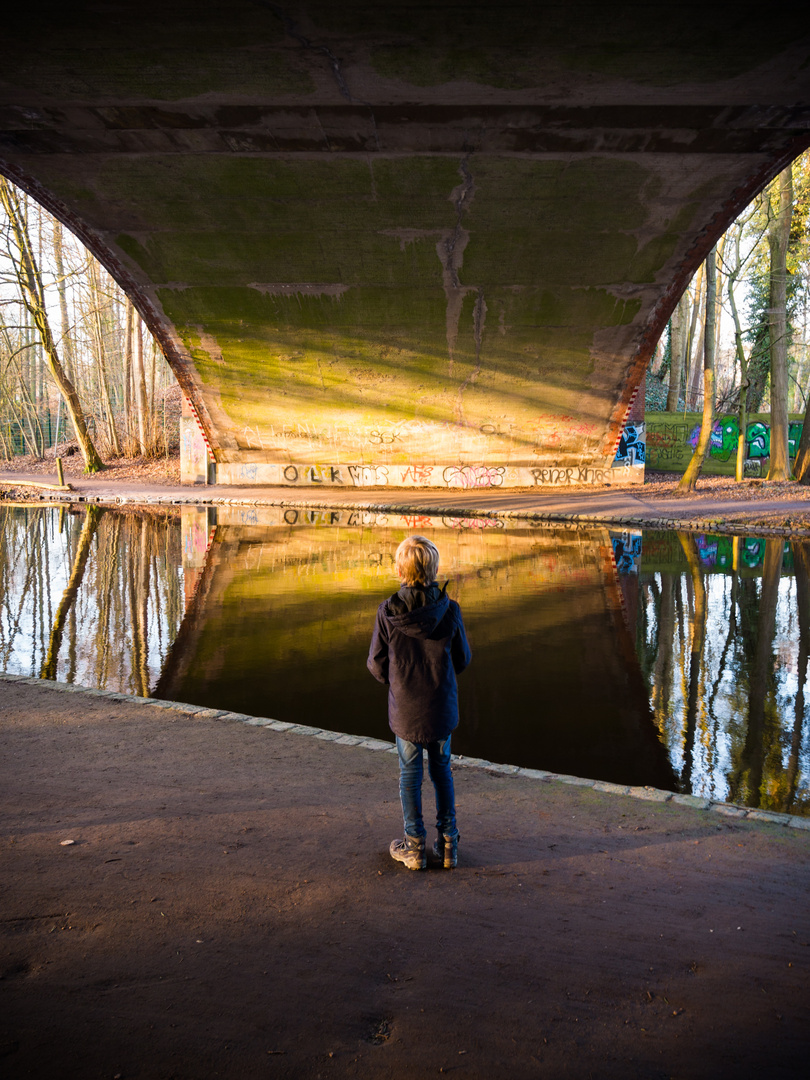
(446,849)
(411,851)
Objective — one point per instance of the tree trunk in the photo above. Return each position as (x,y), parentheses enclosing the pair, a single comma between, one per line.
(697,335)
(140,385)
(778,239)
(742,416)
(66,341)
(34,299)
(101,359)
(690,337)
(678,349)
(690,477)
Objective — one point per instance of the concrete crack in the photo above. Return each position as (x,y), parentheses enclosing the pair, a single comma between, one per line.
(450,250)
(292,28)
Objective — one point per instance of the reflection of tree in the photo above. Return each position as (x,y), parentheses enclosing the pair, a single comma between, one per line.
(664,668)
(746,781)
(801,563)
(91,520)
(139,597)
(695,655)
(103,631)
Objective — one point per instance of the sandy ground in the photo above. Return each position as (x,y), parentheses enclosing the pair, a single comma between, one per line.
(228,909)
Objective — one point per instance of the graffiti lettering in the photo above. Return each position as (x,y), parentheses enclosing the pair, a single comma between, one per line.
(416,474)
(368,475)
(572,474)
(383,438)
(631,449)
(290,473)
(473,476)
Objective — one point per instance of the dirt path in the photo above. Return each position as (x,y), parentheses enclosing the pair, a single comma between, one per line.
(719,504)
(228,909)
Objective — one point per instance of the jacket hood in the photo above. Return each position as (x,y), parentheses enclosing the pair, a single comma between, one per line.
(416,610)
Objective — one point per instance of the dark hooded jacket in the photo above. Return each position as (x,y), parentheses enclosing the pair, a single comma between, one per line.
(418,647)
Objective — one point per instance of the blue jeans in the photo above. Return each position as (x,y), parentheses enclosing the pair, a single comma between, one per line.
(411,771)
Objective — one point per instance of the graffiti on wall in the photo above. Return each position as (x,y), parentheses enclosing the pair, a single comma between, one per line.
(412,475)
(632,447)
(671,438)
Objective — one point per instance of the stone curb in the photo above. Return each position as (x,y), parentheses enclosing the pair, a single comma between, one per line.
(694,524)
(646,794)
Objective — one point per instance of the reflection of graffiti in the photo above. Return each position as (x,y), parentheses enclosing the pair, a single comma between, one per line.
(627,552)
(631,446)
(472,523)
(312,517)
(707,547)
(473,476)
(753,552)
(368,475)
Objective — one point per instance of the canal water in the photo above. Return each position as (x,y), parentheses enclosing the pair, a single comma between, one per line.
(674,660)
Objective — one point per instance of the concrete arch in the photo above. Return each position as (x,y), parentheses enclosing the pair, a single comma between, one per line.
(390,244)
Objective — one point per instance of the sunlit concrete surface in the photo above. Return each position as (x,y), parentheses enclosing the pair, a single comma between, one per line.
(402,244)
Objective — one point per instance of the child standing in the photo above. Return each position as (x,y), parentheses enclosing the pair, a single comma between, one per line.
(418,647)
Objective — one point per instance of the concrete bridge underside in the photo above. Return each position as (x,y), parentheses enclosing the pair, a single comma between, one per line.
(406,243)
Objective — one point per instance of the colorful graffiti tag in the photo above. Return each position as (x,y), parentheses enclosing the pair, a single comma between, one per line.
(631,449)
(671,439)
(726,431)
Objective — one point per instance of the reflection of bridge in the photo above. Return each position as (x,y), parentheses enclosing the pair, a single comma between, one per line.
(280,622)
(393,244)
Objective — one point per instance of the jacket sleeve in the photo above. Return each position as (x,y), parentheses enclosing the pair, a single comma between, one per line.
(377,662)
(460,651)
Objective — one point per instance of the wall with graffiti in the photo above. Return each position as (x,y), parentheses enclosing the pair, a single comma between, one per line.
(416,475)
(672,437)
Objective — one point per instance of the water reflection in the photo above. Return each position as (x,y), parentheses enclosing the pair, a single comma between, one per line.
(93,597)
(723,630)
(673,660)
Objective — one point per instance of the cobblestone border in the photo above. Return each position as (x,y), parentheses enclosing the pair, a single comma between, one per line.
(340,738)
(692,524)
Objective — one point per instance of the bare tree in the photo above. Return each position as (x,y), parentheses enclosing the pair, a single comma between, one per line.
(780,200)
(30,280)
(689,479)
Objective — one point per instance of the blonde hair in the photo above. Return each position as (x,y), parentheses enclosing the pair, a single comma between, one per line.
(417,561)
